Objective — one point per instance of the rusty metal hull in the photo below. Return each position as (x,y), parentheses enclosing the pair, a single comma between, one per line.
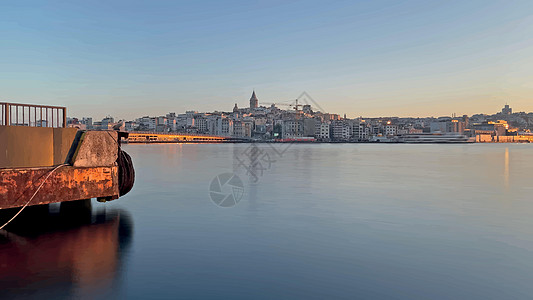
(67,183)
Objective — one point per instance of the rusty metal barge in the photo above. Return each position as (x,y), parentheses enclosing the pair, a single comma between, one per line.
(42,161)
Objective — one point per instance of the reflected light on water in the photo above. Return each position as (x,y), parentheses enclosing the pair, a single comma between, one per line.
(325,221)
(506,169)
(77,251)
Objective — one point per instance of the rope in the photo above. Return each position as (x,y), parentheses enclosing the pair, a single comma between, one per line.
(39,188)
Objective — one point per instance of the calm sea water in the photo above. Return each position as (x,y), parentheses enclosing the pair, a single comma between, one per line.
(325,221)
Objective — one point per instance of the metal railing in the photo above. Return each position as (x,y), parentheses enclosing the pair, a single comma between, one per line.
(17,114)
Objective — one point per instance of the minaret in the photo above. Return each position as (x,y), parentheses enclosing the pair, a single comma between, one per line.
(254,103)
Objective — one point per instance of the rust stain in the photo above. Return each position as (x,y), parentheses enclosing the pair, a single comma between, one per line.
(65,184)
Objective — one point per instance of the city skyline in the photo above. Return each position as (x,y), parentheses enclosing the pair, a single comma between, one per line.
(288,105)
(373,59)
(306,121)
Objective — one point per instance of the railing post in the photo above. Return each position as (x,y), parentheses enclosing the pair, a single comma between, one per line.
(64,117)
(6,117)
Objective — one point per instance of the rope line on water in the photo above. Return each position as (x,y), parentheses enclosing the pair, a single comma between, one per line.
(33,196)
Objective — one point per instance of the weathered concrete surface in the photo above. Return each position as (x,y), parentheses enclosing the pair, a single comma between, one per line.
(97,149)
(63,138)
(65,184)
(22,146)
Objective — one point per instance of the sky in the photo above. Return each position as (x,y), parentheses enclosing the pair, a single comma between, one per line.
(364,58)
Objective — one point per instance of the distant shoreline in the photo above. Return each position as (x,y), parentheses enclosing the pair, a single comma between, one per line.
(312,142)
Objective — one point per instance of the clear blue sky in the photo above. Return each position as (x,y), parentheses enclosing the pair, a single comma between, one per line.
(370,58)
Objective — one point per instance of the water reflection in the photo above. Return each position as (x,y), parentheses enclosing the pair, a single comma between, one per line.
(506,169)
(72,252)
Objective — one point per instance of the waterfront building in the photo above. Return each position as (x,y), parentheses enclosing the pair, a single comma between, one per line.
(248,126)
(201,124)
(457,126)
(130,125)
(260,125)
(171,124)
(323,131)
(146,123)
(391,129)
(309,127)
(97,125)
(360,131)
(238,128)
(107,123)
(219,125)
(341,130)
(445,125)
(402,131)
(498,128)
(87,121)
(421,123)
(439,126)
(292,129)
(225,126)
(181,121)
(376,129)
